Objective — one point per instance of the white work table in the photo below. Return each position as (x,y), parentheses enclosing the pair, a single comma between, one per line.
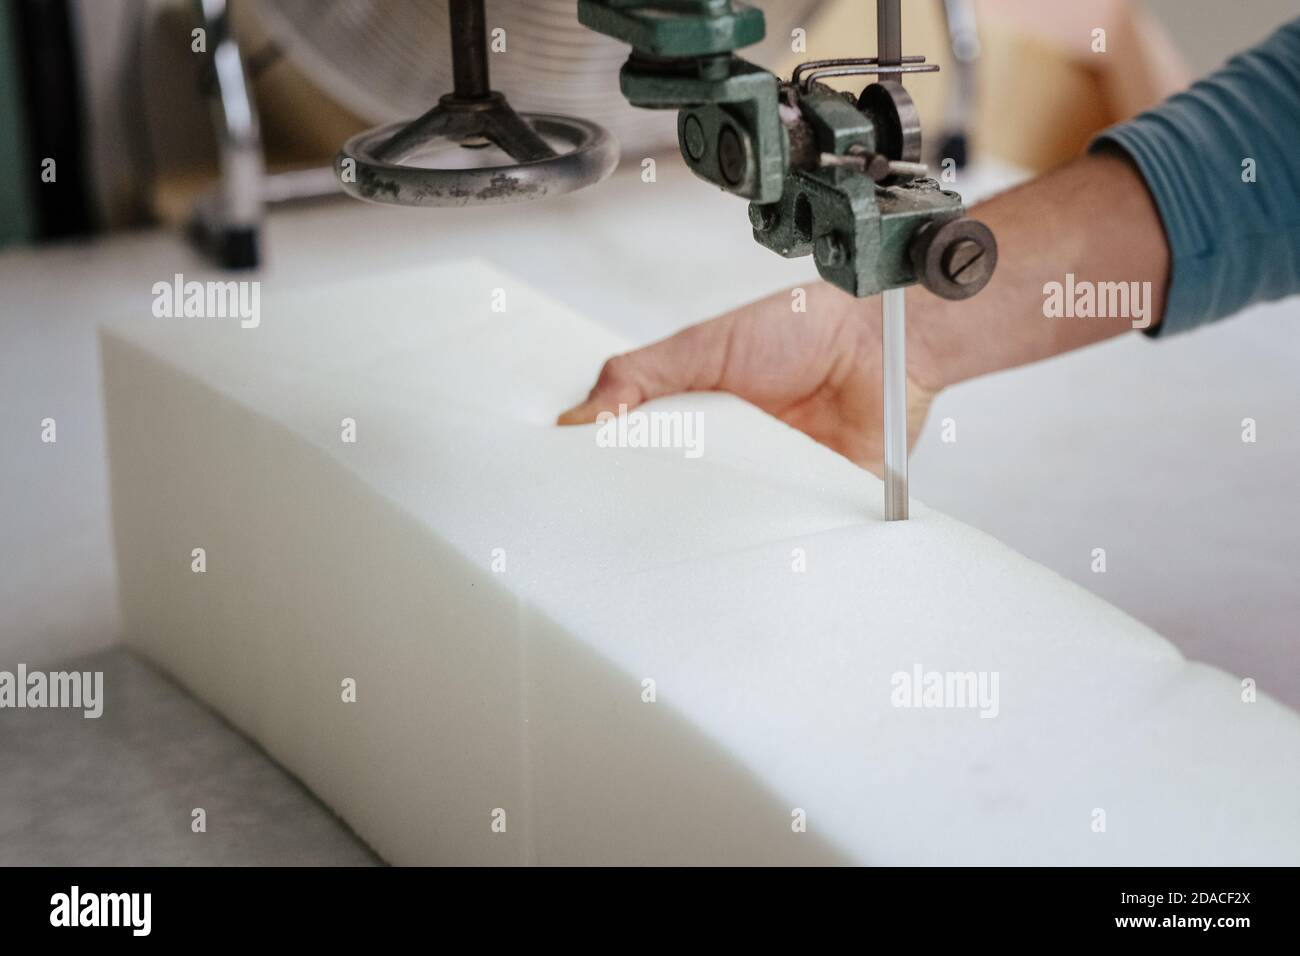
(1132,446)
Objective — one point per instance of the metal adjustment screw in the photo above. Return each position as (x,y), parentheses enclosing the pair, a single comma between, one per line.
(965,263)
(876,165)
(955,258)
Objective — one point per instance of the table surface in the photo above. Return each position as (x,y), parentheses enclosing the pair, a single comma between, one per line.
(1133,446)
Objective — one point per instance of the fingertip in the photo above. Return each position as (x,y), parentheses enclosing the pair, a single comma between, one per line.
(583,413)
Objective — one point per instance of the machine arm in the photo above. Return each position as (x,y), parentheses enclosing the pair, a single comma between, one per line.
(827,174)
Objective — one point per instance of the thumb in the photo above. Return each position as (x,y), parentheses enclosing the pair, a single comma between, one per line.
(615,386)
(691,360)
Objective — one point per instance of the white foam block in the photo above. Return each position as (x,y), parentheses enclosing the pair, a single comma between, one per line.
(522,688)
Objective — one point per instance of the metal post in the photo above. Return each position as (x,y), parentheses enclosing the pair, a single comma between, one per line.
(889,32)
(469,55)
(889,51)
(228,221)
(895,395)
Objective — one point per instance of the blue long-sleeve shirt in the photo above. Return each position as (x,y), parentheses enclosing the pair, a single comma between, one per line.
(1222,161)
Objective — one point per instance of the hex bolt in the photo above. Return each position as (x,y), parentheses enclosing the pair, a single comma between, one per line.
(731,156)
(693,137)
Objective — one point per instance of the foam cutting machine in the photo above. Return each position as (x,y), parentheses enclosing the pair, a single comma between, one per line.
(827,173)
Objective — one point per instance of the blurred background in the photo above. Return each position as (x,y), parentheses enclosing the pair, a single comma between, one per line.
(114,89)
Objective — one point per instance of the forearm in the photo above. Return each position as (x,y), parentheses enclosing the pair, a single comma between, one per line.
(1094,220)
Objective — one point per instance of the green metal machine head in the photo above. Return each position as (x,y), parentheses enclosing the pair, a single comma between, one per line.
(827,174)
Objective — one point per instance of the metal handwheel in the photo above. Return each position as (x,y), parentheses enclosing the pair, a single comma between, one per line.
(373,165)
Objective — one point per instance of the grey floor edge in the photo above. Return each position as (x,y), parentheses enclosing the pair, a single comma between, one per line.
(121,789)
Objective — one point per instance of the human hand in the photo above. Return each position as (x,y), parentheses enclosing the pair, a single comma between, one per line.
(818,371)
